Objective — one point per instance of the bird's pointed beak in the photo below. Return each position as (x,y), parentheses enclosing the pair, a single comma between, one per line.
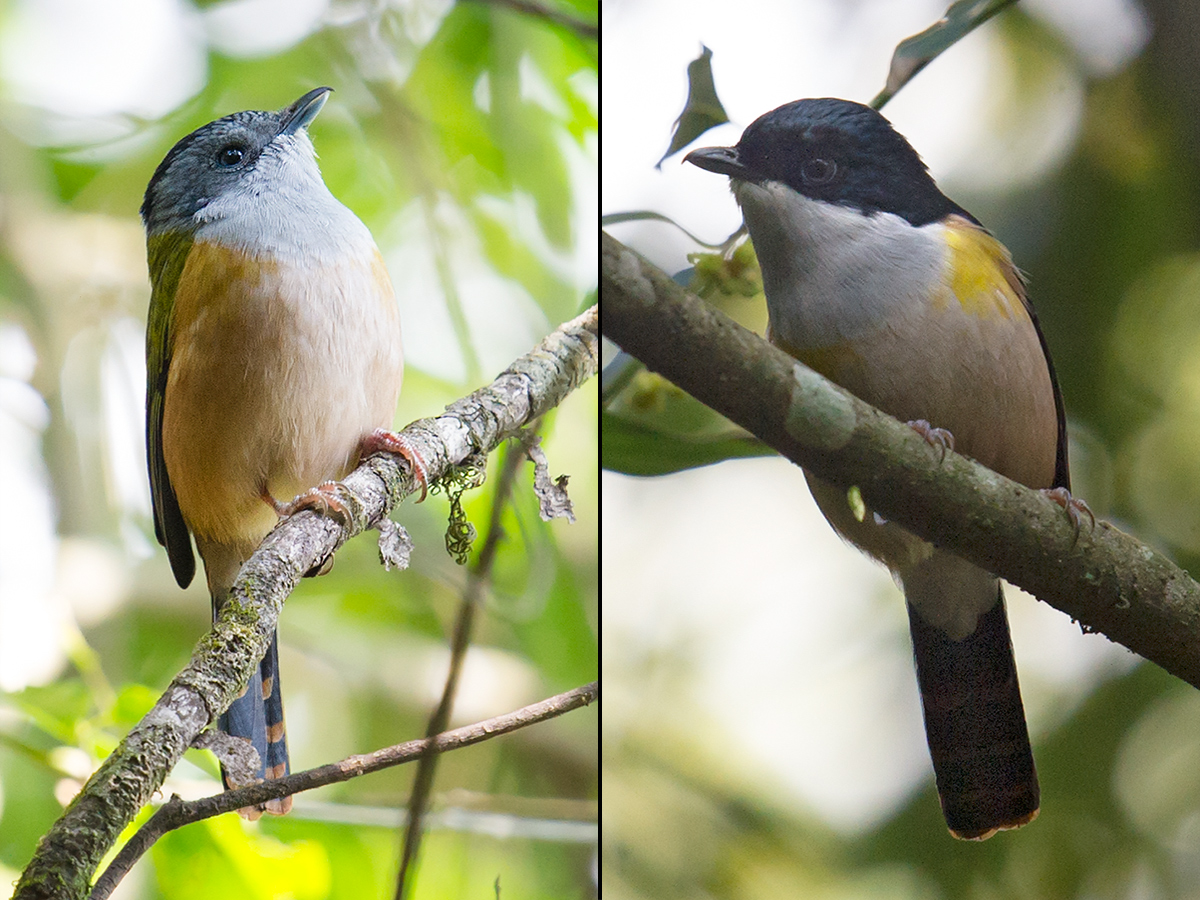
(722,160)
(301,113)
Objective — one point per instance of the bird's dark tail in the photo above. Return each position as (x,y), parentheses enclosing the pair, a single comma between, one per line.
(257,716)
(975,725)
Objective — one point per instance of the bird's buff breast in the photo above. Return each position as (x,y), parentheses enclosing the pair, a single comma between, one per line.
(278,369)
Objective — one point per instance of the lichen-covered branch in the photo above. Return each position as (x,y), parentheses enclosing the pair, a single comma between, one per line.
(1105,579)
(68,854)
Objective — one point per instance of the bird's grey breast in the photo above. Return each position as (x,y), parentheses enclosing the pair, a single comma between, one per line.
(832,273)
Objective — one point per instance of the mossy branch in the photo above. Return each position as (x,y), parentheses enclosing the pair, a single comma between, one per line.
(1106,580)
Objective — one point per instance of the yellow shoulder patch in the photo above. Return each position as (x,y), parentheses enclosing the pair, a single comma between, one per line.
(980,274)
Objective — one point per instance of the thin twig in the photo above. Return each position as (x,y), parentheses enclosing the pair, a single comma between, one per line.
(175,813)
(477,579)
(550,14)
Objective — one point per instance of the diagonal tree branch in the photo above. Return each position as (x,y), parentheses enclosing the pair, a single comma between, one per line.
(68,854)
(1105,579)
(175,813)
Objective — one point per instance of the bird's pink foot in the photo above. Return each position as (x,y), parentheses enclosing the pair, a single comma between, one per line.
(323,498)
(391,442)
(1076,509)
(938,438)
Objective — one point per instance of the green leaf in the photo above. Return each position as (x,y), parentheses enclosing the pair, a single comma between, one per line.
(635,448)
(703,109)
(915,53)
(651,427)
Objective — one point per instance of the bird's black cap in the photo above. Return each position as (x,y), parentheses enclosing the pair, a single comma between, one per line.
(838,151)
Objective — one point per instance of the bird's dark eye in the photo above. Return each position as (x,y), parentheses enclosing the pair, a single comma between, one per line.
(230,155)
(818,171)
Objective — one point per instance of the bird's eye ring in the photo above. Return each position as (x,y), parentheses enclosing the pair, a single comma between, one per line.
(230,155)
(818,171)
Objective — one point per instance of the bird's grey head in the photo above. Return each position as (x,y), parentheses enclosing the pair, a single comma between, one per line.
(232,161)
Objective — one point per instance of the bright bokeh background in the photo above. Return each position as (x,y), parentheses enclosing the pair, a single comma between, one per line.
(466,137)
(764,734)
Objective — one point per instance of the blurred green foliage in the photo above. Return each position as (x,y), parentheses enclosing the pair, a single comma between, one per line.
(460,127)
(651,427)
